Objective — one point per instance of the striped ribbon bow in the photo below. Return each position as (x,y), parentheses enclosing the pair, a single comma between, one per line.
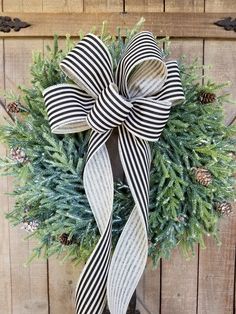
(137,100)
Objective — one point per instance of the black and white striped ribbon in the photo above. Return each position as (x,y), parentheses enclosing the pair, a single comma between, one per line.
(137,101)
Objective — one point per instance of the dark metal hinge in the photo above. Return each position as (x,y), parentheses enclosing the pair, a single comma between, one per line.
(228,23)
(7,24)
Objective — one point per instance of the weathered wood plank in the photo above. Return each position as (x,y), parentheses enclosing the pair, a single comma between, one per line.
(222,57)
(180,277)
(195,25)
(29,284)
(152,289)
(142,6)
(22,6)
(179,284)
(103,6)
(189,48)
(216,265)
(5,267)
(62,283)
(225,51)
(216,273)
(184,6)
(63,6)
(226,6)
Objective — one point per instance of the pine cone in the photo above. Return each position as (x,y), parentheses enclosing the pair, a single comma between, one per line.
(207,98)
(17,154)
(224,208)
(13,107)
(63,238)
(30,226)
(203,176)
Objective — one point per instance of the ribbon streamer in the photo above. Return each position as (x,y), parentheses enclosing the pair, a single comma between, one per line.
(137,100)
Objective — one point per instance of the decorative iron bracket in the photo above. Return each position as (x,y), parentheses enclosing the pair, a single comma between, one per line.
(228,23)
(7,24)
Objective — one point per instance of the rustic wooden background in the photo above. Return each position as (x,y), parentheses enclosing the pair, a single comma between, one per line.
(204,285)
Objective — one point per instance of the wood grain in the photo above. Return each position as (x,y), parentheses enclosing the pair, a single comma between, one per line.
(62,283)
(22,5)
(5,261)
(152,289)
(29,284)
(142,6)
(213,50)
(179,284)
(180,277)
(179,288)
(184,6)
(63,6)
(227,6)
(194,25)
(216,265)
(216,272)
(103,6)
(189,49)
(222,58)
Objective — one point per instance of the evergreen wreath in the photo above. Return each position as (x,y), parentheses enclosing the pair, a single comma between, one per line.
(191,184)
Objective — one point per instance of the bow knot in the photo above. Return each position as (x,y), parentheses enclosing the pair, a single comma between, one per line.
(138,102)
(110,110)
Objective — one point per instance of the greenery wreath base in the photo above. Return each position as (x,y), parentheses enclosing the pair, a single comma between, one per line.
(191,183)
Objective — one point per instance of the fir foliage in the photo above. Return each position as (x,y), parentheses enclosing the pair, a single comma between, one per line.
(50,184)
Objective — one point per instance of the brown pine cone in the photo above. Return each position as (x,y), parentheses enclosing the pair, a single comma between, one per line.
(30,226)
(224,208)
(63,238)
(207,98)
(13,107)
(18,154)
(203,176)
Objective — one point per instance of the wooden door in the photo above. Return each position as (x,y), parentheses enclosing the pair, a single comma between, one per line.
(204,285)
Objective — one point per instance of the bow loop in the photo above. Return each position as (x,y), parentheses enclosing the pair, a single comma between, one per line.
(67,107)
(141,71)
(172,90)
(89,65)
(148,118)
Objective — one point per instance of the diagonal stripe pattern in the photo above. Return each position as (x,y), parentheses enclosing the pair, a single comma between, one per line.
(137,100)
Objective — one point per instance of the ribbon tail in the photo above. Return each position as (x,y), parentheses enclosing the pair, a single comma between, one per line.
(130,256)
(90,295)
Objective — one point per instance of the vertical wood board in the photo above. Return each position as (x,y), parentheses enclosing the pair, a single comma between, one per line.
(5,258)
